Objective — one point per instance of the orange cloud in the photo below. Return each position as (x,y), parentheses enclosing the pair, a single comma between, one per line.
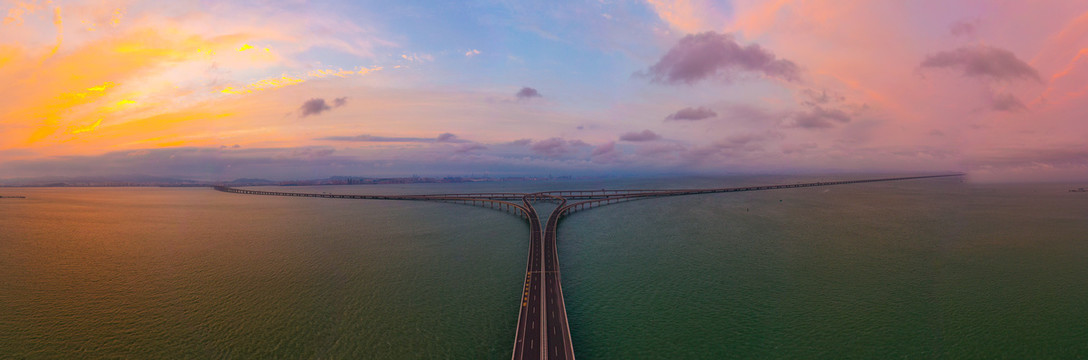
(286,80)
(1068,82)
(49,112)
(102,87)
(1063,44)
(7,54)
(61,92)
(16,12)
(182,128)
(264,84)
(87,128)
(161,79)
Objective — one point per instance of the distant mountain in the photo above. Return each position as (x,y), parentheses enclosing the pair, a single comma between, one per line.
(250,181)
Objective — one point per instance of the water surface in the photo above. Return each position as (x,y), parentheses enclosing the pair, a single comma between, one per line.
(916,269)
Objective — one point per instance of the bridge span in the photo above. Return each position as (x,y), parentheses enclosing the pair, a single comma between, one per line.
(543,331)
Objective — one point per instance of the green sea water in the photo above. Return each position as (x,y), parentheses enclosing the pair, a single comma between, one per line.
(934,268)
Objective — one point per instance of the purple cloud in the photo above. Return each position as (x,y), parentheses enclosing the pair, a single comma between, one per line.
(470,147)
(692,114)
(733,147)
(819,118)
(313,107)
(709,54)
(550,147)
(645,135)
(821,97)
(604,149)
(441,138)
(747,142)
(527,93)
(555,147)
(962,28)
(798,148)
(578,143)
(1007,103)
(522,142)
(605,153)
(660,149)
(447,137)
(316,106)
(983,61)
(750,113)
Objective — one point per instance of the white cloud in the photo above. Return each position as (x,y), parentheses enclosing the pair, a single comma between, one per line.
(419,58)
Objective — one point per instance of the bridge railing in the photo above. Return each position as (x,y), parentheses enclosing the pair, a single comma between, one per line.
(491,195)
(629,195)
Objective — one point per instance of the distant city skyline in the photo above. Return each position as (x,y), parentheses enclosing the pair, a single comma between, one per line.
(216,91)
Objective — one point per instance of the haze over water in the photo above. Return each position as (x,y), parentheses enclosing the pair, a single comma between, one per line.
(919,269)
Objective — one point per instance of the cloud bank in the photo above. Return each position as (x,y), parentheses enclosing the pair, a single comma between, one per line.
(441,138)
(644,135)
(983,61)
(691,114)
(820,118)
(527,93)
(701,56)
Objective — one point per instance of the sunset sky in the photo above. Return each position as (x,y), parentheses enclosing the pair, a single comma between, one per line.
(217,90)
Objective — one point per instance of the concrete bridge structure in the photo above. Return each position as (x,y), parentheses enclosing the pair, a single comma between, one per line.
(543,331)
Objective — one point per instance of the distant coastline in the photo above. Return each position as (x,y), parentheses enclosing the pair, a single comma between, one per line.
(334,180)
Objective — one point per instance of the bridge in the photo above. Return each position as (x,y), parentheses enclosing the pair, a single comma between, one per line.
(543,331)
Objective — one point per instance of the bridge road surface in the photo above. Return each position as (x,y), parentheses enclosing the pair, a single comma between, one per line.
(543,331)
(557,329)
(529,343)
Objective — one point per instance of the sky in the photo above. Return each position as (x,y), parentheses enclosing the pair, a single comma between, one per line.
(218,90)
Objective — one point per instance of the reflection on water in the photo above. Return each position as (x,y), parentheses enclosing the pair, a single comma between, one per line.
(927,268)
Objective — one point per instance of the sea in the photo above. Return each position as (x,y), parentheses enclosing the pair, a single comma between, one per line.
(916,269)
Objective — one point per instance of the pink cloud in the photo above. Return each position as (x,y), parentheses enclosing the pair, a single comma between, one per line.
(644,135)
